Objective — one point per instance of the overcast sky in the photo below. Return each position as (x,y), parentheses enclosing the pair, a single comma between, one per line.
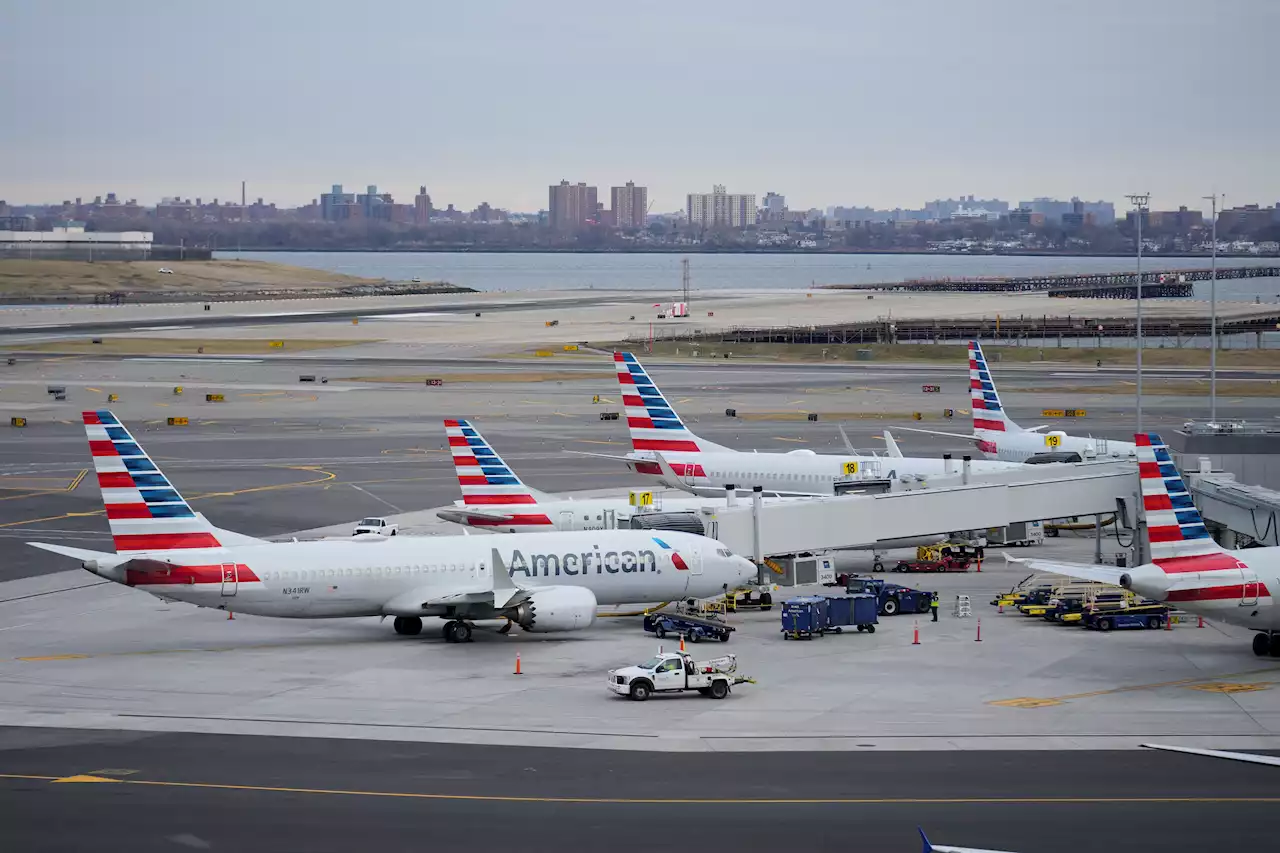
(884,103)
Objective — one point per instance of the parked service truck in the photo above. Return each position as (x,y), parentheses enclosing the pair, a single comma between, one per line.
(676,672)
(376,525)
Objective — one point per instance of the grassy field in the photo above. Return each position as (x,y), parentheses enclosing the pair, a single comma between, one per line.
(22,277)
(954,353)
(185,346)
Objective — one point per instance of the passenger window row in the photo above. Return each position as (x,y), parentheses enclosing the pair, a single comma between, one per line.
(367,571)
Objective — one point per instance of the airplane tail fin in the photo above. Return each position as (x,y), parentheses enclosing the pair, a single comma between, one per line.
(144,510)
(483,476)
(1179,540)
(988,413)
(653,423)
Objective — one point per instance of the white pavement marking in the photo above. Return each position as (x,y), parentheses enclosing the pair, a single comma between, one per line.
(375,497)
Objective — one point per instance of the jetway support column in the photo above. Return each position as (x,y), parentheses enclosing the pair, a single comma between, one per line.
(1097,539)
(757,505)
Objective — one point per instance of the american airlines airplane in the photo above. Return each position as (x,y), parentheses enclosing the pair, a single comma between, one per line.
(495,498)
(547,582)
(998,437)
(1188,569)
(704,467)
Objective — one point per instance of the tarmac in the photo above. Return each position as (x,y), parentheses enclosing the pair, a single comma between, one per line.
(166,792)
(327,734)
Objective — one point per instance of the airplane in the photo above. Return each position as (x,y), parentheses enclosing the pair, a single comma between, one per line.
(494,497)
(704,467)
(948,848)
(547,582)
(998,437)
(1188,569)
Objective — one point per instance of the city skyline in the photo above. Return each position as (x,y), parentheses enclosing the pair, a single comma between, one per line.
(476,101)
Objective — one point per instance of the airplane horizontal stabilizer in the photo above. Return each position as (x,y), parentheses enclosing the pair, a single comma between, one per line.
(630,459)
(1081,571)
(972,438)
(463,516)
(82,554)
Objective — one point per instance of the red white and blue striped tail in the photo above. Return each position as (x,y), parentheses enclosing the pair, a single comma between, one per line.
(485,479)
(653,423)
(988,414)
(144,510)
(1179,540)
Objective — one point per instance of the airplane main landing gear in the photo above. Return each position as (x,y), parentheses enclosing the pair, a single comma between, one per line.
(407,626)
(457,632)
(1266,644)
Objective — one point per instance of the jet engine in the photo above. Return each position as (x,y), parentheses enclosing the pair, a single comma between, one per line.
(801,451)
(557,608)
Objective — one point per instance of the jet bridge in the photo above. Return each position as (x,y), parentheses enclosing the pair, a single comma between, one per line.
(937,506)
(1233,508)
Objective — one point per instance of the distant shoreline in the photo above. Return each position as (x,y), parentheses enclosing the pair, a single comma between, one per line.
(699,250)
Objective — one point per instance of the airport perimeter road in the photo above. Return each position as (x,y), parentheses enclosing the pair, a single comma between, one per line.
(65,789)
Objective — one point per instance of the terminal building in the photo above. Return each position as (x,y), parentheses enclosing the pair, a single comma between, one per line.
(71,241)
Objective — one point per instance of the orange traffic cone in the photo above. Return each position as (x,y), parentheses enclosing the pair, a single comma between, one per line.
(1199,621)
(979,638)
(915,634)
(681,642)
(1168,622)
(1000,609)
(230,616)
(518,672)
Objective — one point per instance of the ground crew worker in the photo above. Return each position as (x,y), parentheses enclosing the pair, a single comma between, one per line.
(933,605)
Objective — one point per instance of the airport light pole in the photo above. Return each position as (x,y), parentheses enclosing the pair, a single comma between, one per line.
(1213,314)
(1140,201)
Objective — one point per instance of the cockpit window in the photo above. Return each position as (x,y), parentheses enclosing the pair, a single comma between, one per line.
(724,552)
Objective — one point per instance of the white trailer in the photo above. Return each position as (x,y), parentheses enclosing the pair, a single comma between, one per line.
(676,672)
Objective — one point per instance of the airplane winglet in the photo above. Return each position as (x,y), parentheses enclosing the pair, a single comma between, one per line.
(928,848)
(504,589)
(891,446)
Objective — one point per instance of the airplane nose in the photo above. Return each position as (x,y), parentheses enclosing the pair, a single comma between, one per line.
(746,568)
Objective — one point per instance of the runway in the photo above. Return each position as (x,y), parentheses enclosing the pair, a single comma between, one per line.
(211,792)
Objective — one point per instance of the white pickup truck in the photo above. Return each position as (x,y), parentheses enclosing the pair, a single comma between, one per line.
(676,672)
(376,525)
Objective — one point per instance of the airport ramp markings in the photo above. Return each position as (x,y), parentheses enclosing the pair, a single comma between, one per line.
(1194,683)
(329,475)
(91,778)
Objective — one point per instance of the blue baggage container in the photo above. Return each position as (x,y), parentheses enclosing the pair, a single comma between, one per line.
(839,610)
(865,610)
(804,618)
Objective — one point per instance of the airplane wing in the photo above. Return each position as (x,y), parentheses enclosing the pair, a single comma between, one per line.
(502,593)
(972,438)
(946,848)
(1081,571)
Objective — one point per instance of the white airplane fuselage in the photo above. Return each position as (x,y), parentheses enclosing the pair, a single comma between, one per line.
(394,575)
(795,473)
(1021,445)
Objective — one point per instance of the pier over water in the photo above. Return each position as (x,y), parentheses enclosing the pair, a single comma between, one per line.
(1100,285)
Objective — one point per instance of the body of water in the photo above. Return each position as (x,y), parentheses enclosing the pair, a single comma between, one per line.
(650,272)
